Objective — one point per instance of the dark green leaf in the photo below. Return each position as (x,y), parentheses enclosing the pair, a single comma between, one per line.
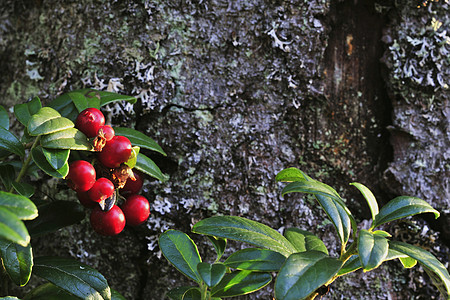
(304,240)
(370,198)
(4,118)
(240,283)
(19,205)
(211,274)
(219,245)
(10,142)
(24,189)
(115,295)
(372,249)
(192,294)
(17,261)
(178,248)
(290,175)
(7,175)
(303,273)
(71,138)
(137,138)
(49,291)
(311,187)
(64,105)
(46,121)
(401,207)
(73,277)
(244,230)
(254,259)
(12,229)
(429,262)
(80,101)
(24,111)
(108,97)
(93,98)
(54,216)
(178,292)
(42,163)
(147,166)
(57,158)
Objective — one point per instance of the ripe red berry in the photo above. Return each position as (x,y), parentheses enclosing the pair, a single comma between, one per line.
(107,131)
(115,152)
(81,176)
(103,188)
(109,222)
(136,209)
(89,121)
(85,200)
(133,186)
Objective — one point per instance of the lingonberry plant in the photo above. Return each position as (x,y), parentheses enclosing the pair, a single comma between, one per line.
(67,139)
(305,268)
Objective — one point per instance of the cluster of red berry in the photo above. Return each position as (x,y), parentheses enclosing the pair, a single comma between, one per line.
(99,192)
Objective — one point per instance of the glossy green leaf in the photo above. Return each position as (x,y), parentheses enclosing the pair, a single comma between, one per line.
(73,277)
(80,101)
(65,106)
(7,175)
(408,262)
(192,294)
(72,139)
(211,274)
(244,230)
(372,249)
(137,138)
(17,261)
(437,270)
(41,161)
(401,207)
(49,291)
(370,198)
(311,187)
(92,96)
(291,175)
(179,292)
(254,259)
(12,228)
(19,205)
(179,249)
(147,166)
(9,298)
(219,245)
(54,216)
(4,118)
(46,121)
(57,158)
(109,97)
(240,283)
(10,142)
(304,240)
(382,233)
(23,112)
(303,273)
(23,188)
(131,162)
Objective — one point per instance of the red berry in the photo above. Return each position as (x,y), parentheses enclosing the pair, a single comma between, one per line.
(136,209)
(103,188)
(81,176)
(107,131)
(89,121)
(115,152)
(133,186)
(109,222)
(85,200)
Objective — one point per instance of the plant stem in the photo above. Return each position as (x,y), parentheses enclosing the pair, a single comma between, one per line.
(204,291)
(26,163)
(351,250)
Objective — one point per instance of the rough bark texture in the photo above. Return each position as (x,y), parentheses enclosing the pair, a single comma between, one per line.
(235,91)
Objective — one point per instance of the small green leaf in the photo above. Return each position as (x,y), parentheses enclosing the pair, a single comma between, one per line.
(178,292)
(73,277)
(49,291)
(304,240)
(211,274)
(80,101)
(57,158)
(303,273)
(178,248)
(71,138)
(137,138)
(408,262)
(401,207)
(65,106)
(382,233)
(131,162)
(12,229)
(219,245)
(240,283)
(17,260)
(372,248)
(109,97)
(19,205)
(54,216)
(291,175)
(115,295)
(192,294)
(10,142)
(254,259)
(244,230)
(23,188)
(147,166)
(24,111)
(7,175)
(4,118)
(41,161)
(370,198)
(46,121)
(436,269)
